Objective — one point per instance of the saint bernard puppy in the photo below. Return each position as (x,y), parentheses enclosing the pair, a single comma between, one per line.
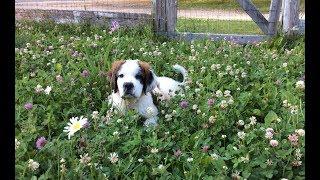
(133,82)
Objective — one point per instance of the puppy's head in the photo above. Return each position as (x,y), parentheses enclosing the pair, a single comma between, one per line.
(131,78)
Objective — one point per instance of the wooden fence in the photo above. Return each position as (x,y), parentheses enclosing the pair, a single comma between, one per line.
(165,20)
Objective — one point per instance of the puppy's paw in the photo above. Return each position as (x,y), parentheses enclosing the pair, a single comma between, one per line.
(151,122)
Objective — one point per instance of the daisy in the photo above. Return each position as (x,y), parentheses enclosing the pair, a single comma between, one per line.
(75,125)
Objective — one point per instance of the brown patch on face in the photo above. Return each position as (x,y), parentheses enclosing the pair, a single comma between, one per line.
(112,73)
(147,76)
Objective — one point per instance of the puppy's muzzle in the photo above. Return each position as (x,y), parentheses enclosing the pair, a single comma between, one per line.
(128,89)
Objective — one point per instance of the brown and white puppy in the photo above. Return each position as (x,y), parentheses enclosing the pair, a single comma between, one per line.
(132,83)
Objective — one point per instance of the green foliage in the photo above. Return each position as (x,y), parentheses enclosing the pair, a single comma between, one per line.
(55,55)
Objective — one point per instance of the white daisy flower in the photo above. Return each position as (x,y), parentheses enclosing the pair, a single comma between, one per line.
(75,125)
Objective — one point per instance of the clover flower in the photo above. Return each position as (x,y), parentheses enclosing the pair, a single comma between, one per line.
(41,142)
(293,138)
(274,143)
(241,134)
(28,106)
(154,150)
(33,165)
(184,104)
(113,157)
(48,90)
(85,159)
(300,85)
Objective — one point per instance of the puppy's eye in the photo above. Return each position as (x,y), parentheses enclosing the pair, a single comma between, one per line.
(120,76)
(138,76)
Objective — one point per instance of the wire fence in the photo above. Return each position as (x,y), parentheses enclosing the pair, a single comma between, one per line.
(193,16)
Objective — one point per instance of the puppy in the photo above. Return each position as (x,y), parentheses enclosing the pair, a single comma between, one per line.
(132,83)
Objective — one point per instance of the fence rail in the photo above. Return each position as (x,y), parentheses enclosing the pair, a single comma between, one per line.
(164,15)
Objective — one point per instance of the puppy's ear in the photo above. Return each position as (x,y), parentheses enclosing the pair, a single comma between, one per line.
(112,74)
(148,77)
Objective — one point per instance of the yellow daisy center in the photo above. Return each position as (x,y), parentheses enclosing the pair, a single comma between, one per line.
(76,126)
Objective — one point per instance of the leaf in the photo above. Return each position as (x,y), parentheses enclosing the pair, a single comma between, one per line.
(244,98)
(270,117)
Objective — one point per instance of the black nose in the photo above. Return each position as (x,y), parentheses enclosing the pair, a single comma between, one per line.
(128,86)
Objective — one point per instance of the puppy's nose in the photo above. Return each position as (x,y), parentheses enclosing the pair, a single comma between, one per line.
(128,86)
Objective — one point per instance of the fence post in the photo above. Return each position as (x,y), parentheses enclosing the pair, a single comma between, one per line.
(290,16)
(274,14)
(164,16)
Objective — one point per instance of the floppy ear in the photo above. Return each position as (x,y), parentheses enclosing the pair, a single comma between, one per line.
(112,74)
(148,77)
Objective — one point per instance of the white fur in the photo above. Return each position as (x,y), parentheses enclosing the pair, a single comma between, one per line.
(167,87)
(141,102)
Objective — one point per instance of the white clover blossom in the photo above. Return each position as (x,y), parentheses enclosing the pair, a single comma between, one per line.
(223,136)
(113,157)
(194,107)
(17,144)
(300,84)
(85,159)
(268,135)
(240,123)
(219,93)
(253,120)
(190,159)
(38,88)
(274,143)
(161,167)
(33,165)
(95,114)
(300,132)
(227,93)
(241,134)
(140,160)
(212,119)
(116,133)
(154,150)
(48,90)
(214,156)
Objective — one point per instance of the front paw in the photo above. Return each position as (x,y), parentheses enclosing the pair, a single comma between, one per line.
(151,122)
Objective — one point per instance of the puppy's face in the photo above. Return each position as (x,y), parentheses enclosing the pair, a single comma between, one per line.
(131,78)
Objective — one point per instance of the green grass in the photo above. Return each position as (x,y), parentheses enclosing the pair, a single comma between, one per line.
(256,77)
(217,26)
(262,5)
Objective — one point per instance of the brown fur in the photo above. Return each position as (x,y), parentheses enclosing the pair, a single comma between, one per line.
(112,73)
(146,74)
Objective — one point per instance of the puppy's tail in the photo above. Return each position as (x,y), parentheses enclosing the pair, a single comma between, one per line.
(181,70)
